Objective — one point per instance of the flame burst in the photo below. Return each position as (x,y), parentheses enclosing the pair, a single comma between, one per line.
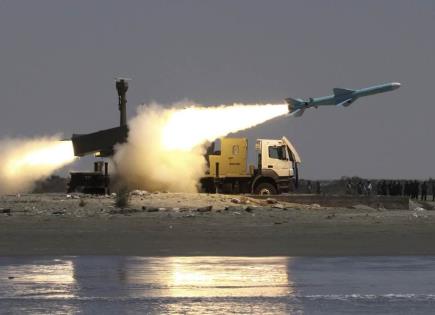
(23,161)
(165,148)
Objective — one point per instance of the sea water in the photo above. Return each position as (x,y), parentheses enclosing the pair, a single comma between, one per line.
(217,285)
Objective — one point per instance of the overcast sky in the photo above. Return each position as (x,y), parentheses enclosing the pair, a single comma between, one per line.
(59,58)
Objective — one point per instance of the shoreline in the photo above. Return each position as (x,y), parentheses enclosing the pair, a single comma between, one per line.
(285,230)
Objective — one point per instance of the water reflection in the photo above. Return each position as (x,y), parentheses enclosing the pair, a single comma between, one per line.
(49,277)
(158,285)
(217,285)
(228,276)
(25,285)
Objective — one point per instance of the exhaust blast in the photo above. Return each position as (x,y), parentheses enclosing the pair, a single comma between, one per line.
(165,147)
(23,161)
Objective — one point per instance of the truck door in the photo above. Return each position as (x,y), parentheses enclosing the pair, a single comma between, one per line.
(275,157)
(293,155)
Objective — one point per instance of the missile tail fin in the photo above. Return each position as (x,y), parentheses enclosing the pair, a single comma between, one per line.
(294,104)
(298,112)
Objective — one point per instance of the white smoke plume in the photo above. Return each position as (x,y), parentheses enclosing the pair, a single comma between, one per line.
(165,147)
(24,161)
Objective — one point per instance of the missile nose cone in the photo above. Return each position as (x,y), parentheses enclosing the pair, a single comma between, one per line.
(395,85)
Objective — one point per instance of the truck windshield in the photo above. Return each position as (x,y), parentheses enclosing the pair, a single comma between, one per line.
(278,153)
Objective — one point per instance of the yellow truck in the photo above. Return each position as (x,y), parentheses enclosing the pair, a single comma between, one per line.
(228,171)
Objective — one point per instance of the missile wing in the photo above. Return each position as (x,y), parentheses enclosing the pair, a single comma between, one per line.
(341,97)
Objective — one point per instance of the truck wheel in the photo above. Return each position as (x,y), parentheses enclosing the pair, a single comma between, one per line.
(265,189)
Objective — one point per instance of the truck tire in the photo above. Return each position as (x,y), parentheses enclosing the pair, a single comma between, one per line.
(265,189)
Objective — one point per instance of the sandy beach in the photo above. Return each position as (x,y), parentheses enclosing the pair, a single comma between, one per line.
(167,224)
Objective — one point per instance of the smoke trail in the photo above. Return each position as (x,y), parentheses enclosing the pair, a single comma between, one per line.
(165,147)
(23,161)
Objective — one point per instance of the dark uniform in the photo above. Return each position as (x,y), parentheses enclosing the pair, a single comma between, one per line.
(424,191)
(359,188)
(416,189)
(309,188)
(349,188)
(384,188)
(406,189)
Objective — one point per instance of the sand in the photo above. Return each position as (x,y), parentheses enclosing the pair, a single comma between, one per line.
(166,224)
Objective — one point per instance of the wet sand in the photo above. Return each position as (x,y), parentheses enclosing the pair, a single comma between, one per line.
(182,225)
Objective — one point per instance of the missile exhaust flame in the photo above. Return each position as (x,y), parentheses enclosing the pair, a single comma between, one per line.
(193,126)
(23,161)
(165,147)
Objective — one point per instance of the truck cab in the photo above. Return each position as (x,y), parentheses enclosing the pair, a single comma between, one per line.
(275,172)
(277,166)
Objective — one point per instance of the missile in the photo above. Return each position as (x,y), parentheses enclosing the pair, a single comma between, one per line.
(340,97)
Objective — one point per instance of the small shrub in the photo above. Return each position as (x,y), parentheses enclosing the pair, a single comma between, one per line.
(122,198)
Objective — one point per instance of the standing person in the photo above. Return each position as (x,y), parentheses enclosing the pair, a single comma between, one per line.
(390,188)
(369,188)
(412,189)
(424,191)
(364,188)
(433,190)
(384,187)
(309,187)
(416,189)
(406,189)
(379,188)
(359,188)
(393,188)
(318,190)
(397,188)
(349,187)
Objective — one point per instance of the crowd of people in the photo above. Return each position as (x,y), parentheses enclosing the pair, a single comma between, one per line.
(310,187)
(411,188)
